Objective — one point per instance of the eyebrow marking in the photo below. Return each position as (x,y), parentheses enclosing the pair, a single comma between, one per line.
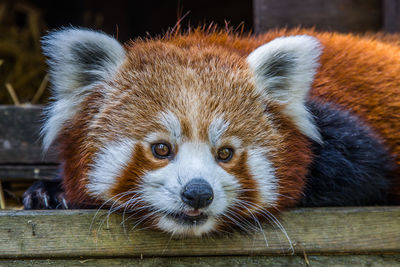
(216,129)
(171,122)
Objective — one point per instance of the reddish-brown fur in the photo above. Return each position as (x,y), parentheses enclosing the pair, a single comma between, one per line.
(76,156)
(358,74)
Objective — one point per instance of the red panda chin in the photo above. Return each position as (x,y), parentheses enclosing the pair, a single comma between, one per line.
(186,228)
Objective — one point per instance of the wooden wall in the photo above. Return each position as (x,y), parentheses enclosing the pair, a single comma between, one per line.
(329,15)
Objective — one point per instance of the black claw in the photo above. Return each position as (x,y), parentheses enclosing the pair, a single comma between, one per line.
(27,201)
(45,195)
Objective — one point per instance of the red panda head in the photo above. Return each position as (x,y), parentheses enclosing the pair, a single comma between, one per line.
(191,138)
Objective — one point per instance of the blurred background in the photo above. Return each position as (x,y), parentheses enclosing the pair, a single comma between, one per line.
(24,81)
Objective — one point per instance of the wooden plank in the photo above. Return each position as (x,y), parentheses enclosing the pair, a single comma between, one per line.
(19,136)
(391,15)
(13,172)
(79,233)
(332,15)
(232,261)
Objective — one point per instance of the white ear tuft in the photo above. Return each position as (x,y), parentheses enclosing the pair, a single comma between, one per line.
(284,69)
(78,60)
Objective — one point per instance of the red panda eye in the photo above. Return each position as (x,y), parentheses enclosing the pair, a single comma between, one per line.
(161,150)
(224,154)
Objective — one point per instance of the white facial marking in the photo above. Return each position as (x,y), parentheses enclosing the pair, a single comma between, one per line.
(156,136)
(236,142)
(216,130)
(262,171)
(108,165)
(172,124)
(170,226)
(284,69)
(162,188)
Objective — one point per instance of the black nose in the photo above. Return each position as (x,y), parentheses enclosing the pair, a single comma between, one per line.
(197,193)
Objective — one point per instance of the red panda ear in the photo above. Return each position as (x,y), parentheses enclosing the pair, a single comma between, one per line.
(78,60)
(284,69)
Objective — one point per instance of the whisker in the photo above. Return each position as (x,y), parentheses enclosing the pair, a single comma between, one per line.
(257,222)
(136,212)
(98,210)
(270,217)
(132,202)
(249,224)
(244,227)
(112,209)
(143,219)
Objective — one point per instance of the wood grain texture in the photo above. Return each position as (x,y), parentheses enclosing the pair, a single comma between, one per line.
(391,16)
(20,142)
(332,15)
(71,233)
(21,172)
(232,261)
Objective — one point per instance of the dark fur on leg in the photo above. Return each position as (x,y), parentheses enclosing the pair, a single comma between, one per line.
(351,167)
(45,195)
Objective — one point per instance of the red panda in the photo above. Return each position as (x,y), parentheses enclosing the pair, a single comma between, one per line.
(201,132)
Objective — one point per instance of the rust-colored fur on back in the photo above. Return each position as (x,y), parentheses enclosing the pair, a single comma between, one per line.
(359,73)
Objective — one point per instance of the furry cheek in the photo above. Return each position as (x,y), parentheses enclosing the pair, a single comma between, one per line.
(118,170)
(108,165)
(258,183)
(263,173)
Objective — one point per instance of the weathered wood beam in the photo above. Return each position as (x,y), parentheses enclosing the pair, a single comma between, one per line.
(231,261)
(82,233)
(19,136)
(330,15)
(391,16)
(14,172)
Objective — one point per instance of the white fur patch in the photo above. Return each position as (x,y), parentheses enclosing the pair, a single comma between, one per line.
(284,69)
(236,142)
(171,122)
(216,130)
(78,59)
(169,225)
(162,188)
(262,171)
(108,165)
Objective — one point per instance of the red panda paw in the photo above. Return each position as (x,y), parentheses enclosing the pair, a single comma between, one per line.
(45,195)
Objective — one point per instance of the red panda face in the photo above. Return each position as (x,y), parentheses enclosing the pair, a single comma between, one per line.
(186,138)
